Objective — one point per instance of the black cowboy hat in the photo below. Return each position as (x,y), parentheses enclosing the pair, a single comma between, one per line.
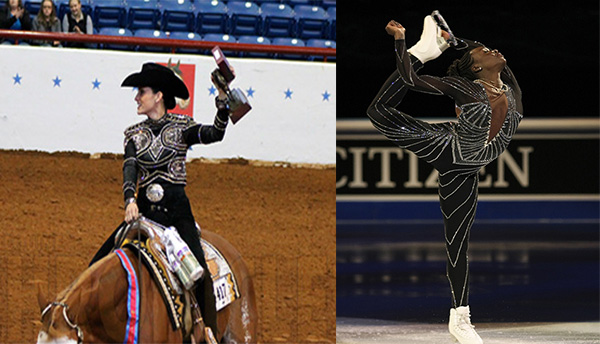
(160,77)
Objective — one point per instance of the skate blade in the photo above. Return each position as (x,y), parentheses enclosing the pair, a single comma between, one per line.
(455,42)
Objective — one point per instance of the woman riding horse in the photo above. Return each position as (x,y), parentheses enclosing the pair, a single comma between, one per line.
(155,154)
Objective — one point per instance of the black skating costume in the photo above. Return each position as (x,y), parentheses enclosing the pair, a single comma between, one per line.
(456,150)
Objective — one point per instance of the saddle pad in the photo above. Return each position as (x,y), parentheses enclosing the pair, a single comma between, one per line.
(224,283)
(173,301)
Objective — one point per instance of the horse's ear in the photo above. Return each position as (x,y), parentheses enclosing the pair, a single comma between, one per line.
(41,296)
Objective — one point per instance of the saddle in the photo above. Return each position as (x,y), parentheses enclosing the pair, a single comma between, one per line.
(144,238)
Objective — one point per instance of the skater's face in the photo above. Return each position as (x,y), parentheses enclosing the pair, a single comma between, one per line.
(486,59)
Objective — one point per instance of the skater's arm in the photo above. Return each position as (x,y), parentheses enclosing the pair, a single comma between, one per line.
(509,78)
(455,88)
(449,86)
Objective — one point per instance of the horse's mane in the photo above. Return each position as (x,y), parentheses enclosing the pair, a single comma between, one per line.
(74,286)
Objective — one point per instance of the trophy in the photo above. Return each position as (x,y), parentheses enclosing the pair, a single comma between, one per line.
(238,103)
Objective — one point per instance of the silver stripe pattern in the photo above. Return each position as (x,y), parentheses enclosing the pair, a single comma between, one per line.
(457,150)
(162,155)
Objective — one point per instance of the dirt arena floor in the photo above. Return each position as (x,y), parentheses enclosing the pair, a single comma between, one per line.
(57,209)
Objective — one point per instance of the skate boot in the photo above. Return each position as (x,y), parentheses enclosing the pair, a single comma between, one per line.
(432,43)
(460,326)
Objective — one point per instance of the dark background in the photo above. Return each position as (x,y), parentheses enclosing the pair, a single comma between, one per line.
(552,47)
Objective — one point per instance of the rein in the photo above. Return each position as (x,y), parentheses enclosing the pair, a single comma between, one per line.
(73,326)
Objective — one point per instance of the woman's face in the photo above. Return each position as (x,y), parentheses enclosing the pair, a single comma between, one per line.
(47,8)
(75,7)
(13,4)
(146,100)
(488,59)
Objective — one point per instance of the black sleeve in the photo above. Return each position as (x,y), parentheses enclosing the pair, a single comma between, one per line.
(206,134)
(26,21)
(6,21)
(129,171)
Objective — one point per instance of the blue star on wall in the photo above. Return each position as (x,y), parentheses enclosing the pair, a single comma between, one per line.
(288,93)
(96,84)
(56,81)
(17,78)
(250,92)
(212,90)
(326,96)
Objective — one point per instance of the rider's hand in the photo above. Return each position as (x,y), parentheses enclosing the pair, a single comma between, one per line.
(19,12)
(394,28)
(131,212)
(222,94)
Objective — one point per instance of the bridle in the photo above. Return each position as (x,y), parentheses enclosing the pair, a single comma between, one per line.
(73,326)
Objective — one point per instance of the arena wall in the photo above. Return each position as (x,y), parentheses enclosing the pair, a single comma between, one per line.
(71,100)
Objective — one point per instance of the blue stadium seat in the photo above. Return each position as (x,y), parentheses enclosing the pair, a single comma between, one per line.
(332,22)
(217,37)
(321,43)
(149,33)
(33,6)
(211,17)
(278,20)
(245,18)
(260,2)
(115,31)
(142,14)
(62,7)
(327,3)
(188,36)
(255,40)
(177,15)
(296,42)
(110,13)
(294,3)
(313,22)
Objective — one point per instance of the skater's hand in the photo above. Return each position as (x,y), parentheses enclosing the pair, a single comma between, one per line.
(132,212)
(394,28)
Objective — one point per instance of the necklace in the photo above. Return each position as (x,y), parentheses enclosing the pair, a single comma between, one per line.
(503,88)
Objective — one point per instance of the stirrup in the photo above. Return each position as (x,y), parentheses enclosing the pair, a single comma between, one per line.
(432,44)
(209,336)
(454,41)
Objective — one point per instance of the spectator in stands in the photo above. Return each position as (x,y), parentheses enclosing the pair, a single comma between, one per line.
(14,16)
(46,21)
(77,22)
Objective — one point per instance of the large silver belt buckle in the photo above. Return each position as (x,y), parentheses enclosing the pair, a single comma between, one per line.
(155,192)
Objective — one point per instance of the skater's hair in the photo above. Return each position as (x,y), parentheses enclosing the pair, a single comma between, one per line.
(462,67)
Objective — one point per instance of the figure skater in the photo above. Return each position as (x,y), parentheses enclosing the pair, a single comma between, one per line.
(488,105)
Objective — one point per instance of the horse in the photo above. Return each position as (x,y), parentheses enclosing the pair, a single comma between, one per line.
(94,307)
